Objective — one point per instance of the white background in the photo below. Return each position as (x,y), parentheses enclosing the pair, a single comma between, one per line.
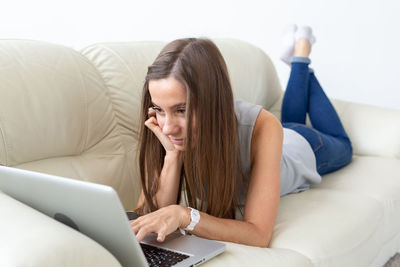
(356,57)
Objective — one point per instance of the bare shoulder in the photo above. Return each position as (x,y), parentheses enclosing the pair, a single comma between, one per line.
(266,124)
(267,130)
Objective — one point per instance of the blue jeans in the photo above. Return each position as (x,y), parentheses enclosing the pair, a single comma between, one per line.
(328,139)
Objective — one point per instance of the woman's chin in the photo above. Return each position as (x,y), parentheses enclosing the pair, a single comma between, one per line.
(179,147)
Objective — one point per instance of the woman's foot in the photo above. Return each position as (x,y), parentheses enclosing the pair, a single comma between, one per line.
(304,40)
(305,32)
(302,48)
(296,42)
(288,43)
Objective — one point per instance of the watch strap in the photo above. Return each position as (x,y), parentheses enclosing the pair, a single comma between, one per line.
(194,219)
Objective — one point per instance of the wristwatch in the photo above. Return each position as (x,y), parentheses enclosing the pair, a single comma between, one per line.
(194,219)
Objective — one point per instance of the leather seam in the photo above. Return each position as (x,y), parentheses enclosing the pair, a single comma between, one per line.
(4,143)
(106,86)
(83,84)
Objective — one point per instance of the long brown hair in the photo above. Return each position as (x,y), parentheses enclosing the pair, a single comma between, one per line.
(211,167)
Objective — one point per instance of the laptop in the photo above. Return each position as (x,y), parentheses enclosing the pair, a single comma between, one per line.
(96,211)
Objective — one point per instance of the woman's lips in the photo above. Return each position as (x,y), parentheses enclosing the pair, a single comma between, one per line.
(176,141)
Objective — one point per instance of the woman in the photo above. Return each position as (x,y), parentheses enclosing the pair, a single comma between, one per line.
(229,155)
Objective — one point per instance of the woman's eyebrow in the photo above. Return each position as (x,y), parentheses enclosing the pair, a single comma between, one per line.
(182,104)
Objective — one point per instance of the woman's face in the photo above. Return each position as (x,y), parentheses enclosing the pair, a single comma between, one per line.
(169,102)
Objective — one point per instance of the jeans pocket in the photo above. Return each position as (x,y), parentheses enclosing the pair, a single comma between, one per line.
(335,154)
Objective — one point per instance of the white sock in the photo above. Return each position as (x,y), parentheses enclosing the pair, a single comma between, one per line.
(305,32)
(288,42)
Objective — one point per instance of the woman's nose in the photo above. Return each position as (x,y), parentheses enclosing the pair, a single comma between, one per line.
(170,126)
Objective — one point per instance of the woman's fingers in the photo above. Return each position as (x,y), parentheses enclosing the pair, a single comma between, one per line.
(161,236)
(135,226)
(145,225)
(151,112)
(143,231)
(161,222)
(152,124)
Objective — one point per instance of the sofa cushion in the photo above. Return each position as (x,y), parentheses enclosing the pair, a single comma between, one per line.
(54,103)
(359,202)
(56,117)
(329,227)
(123,67)
(375,177)
(237,255)
(252,74)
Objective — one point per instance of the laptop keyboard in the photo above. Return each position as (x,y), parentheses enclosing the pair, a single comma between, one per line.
(161,257)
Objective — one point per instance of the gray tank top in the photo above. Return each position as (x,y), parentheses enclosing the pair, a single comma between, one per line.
(298,164)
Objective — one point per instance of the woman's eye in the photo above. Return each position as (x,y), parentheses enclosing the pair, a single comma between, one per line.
(156,109)
(183,111)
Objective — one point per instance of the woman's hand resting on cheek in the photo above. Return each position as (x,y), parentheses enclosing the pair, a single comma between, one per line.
(152,124)
(162,222)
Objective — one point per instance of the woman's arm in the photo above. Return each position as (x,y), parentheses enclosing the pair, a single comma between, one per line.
(170,175)
(167,193)
(262,199)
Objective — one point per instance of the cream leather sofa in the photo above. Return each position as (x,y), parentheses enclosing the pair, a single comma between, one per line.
(75,114)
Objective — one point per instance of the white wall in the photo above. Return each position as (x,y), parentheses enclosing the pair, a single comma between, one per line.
(356,56)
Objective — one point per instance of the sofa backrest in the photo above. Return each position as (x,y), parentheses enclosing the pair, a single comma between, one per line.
(56,117)
(77,114)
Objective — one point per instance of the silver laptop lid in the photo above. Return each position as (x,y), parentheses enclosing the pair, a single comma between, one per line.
(96,208)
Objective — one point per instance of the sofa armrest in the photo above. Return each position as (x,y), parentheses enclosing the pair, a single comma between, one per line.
(30,238)
(374,131)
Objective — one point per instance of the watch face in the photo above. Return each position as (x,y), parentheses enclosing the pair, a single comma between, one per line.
(194,219)
(195,215)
